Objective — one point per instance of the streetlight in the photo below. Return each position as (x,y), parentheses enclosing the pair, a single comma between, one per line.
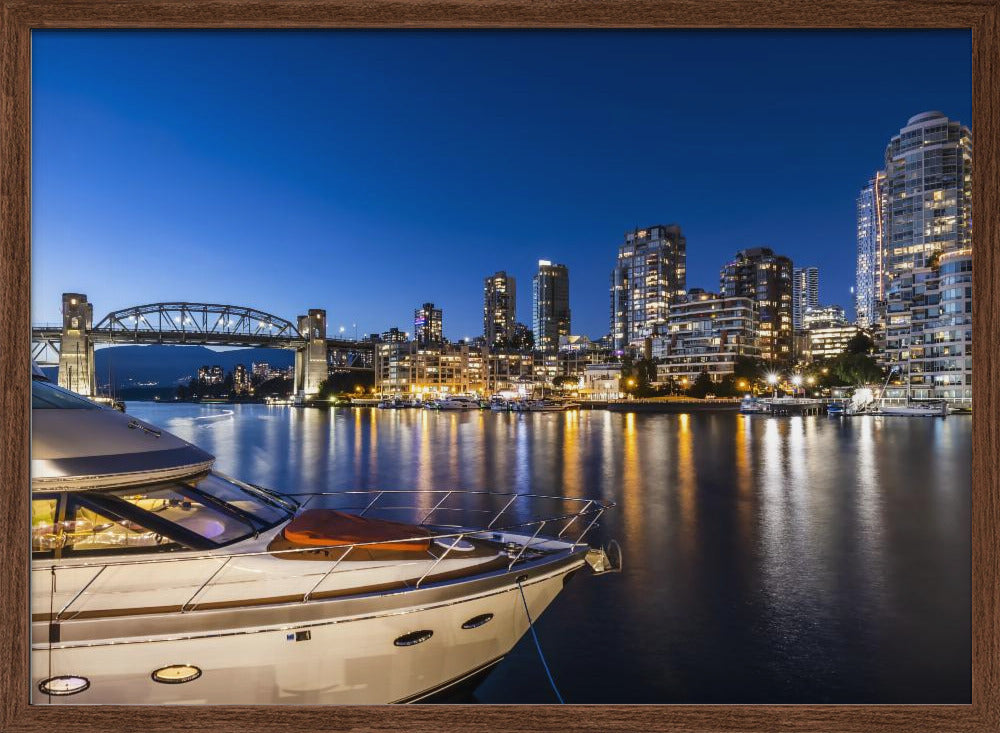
(772,379)
(797,382)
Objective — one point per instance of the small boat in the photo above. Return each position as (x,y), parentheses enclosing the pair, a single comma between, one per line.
(912,408)
(750,405)
(155,579)
(395,403)
(499,404)
(457,402)
(547,405)
(915,409)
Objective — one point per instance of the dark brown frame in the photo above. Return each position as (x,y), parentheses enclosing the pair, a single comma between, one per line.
(19,17)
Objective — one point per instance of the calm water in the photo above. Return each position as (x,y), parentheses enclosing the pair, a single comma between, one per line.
(766,559)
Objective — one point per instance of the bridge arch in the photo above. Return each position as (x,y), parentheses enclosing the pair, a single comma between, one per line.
(203,322)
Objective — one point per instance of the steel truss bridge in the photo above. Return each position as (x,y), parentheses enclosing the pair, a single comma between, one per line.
(202,324)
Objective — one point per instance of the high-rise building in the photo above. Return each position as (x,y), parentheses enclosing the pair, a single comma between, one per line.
(394,336)
(211,374)
(927,229)
(241,379)
(928,193)
(805,293)
(708,333)
(825,333)
(649,276)
(427,325)
(869,286)
(499,308)
(550,317)
(766,277)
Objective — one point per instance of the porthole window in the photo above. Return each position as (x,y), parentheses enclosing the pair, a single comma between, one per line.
(66,684)
(476,621)
(175,674)
(414,637)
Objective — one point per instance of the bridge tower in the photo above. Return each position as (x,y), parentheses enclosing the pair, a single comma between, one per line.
(76,353)
(310,359)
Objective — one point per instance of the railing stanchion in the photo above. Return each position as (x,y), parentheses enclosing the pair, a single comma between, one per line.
(371,503)
(443,499)
(327,574)
(500,513)
(218,570)
(442,557)
(587,529)
(575,517)
(79,593)
(525,545)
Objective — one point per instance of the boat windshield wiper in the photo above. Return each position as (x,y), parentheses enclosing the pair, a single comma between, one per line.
(136,425)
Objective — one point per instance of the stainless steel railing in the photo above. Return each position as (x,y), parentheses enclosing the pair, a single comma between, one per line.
(588,509)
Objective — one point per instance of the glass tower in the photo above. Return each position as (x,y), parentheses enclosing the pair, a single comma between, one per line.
(927,231)
(650,276)
(550,305)
(869,286)
(805,294)
(499,308)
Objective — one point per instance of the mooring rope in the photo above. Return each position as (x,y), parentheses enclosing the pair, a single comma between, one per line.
(538,645)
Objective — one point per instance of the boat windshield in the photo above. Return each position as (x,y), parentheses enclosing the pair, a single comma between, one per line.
(47,396)
(202,513)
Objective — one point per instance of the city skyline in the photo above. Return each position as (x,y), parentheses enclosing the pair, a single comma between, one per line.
(218,190)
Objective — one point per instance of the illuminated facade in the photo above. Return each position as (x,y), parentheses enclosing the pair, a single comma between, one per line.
(928,240)
(550,316)
(499,308)
(427,325)
(419,372)
(805,293)
(928,193)
(211,374)
(765,277)
(929,334)
(707,333)
(241,379)
(826,333)
(649,276)
(869,287)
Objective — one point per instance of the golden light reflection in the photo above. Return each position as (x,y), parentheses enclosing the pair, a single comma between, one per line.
(744,485)
(372,446)
(686,475)
(359,473)
(571,455)
(632,500)
(454,463)
(424,469)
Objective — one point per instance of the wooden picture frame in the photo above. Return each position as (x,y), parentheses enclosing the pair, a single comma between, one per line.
(20,17)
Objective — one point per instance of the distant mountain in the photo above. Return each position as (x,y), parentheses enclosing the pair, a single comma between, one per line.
(167,365)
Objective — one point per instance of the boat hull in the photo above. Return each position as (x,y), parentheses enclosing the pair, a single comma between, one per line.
(320,652)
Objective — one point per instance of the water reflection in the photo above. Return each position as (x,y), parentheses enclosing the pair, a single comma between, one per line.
(767,559)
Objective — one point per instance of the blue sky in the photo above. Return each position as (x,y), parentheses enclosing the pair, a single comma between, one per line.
(367,172)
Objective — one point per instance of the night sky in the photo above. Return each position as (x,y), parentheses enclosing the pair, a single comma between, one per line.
(368,172)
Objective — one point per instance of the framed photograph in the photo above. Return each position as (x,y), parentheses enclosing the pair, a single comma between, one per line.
(502,365)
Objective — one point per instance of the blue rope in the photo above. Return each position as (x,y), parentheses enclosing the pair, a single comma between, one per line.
(538,645)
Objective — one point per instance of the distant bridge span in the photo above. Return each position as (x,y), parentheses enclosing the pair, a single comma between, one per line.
(204,324)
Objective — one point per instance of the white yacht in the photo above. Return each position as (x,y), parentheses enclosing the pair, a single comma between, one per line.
(156,579)
(457,402)
(916,409)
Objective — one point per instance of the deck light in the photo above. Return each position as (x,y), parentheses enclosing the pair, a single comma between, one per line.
(176,674)
(65,684)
